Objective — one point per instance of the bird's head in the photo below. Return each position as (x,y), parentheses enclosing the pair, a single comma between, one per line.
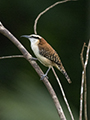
(33,38)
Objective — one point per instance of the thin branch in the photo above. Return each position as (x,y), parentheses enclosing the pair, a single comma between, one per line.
(82,60)
(85,98)
(13,56)
(27,56)
(81,97)
(87,55)
(40,14)
(65,99)
(83,83)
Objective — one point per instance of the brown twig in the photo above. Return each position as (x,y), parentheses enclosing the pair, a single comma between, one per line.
(48,8)
(83,83)
(64,96)
(27,56)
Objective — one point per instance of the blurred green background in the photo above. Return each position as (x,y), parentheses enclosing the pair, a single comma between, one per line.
(66,27)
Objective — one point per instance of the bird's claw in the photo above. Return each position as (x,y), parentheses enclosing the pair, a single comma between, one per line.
(43,76)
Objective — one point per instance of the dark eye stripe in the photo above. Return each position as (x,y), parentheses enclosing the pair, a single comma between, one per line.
(34,37)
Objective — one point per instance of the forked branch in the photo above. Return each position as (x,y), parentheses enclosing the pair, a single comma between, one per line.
(83,82)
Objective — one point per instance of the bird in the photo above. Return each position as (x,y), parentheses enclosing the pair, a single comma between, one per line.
(46,54)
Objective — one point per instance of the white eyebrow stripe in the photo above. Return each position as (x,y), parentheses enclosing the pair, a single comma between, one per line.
(35,36)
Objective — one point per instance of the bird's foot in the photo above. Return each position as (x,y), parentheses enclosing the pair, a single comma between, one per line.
(33,59)
(43,76)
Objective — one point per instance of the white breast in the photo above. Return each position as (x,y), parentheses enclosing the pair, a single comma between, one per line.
(42,59)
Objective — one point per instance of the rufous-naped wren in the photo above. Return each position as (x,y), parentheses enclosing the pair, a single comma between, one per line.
(46,54)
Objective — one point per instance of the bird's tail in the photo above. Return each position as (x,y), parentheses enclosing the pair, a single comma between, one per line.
(62,70)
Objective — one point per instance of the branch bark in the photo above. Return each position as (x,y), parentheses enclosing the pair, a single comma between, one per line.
(28,56)
(84,83)
(13,56)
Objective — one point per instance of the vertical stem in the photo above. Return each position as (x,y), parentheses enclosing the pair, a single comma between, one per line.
(85,98)
(83,83)
(81,97)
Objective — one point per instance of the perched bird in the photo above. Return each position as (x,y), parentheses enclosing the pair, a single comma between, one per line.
(46,54)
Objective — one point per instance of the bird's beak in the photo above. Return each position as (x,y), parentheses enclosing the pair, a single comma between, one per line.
(26,36)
